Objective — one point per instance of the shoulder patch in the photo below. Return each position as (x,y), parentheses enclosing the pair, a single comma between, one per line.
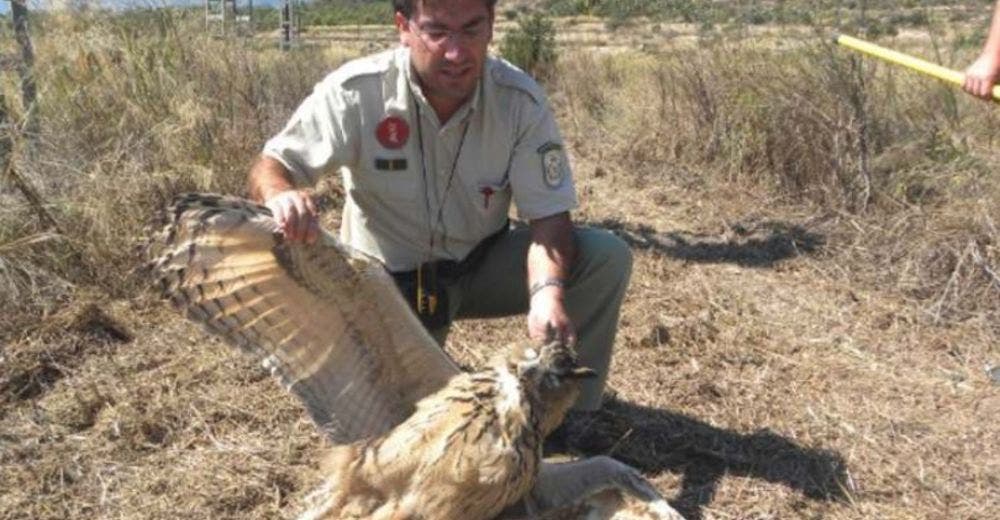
(508,75)
(554,167)
(377,64)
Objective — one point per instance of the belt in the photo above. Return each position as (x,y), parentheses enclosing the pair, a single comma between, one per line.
(452,270)
(424,288)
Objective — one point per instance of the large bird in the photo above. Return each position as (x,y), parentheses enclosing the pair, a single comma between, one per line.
(414,437)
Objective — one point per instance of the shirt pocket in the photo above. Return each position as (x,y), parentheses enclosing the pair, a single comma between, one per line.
(392,178)
(489,196)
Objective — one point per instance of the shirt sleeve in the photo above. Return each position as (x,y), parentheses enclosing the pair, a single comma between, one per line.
(316,138)
(540,175)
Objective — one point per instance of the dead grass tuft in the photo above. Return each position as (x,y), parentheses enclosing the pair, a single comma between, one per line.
(815,126)
(133,114)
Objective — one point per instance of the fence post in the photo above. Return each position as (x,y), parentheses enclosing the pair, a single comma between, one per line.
(26,67)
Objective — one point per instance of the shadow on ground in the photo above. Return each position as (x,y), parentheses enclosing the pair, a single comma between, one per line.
(656,441)
(749,244)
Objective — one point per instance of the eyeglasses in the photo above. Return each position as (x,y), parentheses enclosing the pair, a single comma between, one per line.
(436,36)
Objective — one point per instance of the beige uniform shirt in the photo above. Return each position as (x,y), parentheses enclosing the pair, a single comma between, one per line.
(419,190)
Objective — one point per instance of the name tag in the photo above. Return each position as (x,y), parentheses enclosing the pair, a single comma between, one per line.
(390,165)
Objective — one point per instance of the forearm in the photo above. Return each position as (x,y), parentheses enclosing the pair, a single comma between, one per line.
(551,253)
(981,75)
(992,46)
(267,178)
(991,49)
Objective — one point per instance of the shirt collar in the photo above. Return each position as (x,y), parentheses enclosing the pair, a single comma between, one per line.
(464,112)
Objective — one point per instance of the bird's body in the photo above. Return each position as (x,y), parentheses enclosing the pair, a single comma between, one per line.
(414,437)
(468,451)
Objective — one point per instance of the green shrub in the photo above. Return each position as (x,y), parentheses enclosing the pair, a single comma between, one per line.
(532,45)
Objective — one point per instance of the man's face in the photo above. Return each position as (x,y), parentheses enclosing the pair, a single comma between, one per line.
(448,40)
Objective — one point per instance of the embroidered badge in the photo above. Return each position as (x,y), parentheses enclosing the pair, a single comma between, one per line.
(392,165)
(553,164)
(393,132)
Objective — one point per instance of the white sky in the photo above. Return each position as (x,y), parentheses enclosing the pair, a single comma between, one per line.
(122,4)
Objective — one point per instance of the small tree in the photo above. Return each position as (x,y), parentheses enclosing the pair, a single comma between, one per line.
(532,45)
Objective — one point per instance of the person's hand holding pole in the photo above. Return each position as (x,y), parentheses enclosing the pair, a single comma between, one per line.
(989,90)
(981,76)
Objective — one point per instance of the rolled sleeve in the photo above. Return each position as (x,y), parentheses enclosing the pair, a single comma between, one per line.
(540,174)
(316,139)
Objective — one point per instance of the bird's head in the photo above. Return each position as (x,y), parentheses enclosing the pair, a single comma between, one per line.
(547,364)
(551,371)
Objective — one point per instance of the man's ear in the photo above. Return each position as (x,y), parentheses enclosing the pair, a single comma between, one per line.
(403,28)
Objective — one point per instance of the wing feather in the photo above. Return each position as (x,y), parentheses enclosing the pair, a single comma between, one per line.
(326,319)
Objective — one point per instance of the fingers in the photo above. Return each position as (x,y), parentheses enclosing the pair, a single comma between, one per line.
(300,224)
(277,212)
(980,77)
(567,334)
(312,226)
(535,332)
(295,213)
(983,89)
(290,224)
(979,87)
(548,328)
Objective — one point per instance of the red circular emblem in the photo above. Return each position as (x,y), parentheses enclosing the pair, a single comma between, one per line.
(393,132)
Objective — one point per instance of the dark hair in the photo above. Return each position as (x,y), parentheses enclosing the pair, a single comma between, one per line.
(405,7)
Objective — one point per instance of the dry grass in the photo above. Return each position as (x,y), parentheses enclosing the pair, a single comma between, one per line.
(814,299)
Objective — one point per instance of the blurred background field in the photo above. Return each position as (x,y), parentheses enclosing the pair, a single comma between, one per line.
(813,316)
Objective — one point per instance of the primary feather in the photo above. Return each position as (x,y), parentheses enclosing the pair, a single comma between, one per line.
(325,318)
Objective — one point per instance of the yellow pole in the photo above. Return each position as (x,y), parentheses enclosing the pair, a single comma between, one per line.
(911,62)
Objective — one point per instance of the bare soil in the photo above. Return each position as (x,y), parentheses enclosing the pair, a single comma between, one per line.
(752,379)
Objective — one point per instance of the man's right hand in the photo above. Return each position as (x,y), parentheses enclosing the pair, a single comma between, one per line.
(270,183)
(295,212)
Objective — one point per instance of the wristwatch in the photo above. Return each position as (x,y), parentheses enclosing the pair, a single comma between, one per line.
(541,284)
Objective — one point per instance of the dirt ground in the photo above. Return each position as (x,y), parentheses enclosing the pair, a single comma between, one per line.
(752,380)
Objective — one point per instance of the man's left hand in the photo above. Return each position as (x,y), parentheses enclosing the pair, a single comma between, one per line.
(547,314)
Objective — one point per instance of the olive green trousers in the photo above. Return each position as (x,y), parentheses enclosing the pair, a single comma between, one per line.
(497,287)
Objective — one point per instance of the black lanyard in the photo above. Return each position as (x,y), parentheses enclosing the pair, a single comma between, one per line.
(433,226)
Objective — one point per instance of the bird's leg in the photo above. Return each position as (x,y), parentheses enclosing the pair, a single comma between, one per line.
(568,483)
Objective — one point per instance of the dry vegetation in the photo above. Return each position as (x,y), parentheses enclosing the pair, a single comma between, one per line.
(815,297)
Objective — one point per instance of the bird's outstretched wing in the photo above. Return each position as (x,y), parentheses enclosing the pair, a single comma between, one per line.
(325,318)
